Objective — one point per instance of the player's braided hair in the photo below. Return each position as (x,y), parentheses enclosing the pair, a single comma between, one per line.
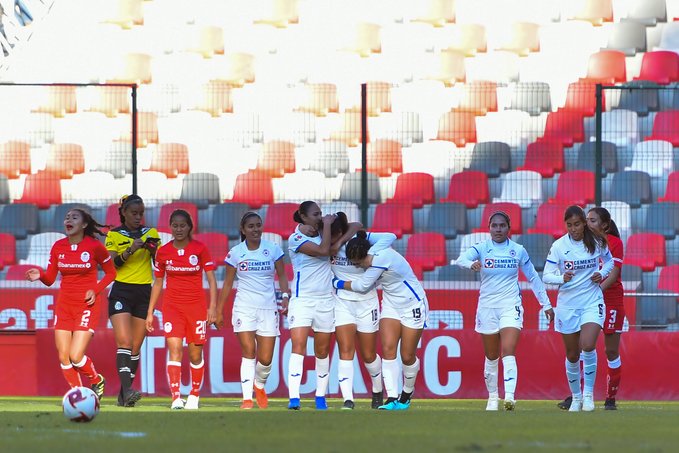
(187,217)
(93,227)
(244,219)
(125,202)
(357,248)
(591,238)
(605,216)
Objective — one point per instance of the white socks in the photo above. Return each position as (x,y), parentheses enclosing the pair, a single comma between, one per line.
(295,368)
(511,373)
(345,375)
(262,373)
(589,368)
(247,374)
(375,370)
(390,373)
(410,375)
(573,376)
(322,375)
(490,372)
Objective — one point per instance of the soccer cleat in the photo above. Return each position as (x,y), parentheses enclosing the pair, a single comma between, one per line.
(321,404)
(261,398)
(294,404)
(247,404)
(98,388)
(610,405)
(565,404)
(493,403)
(576,405)
(192,402)
(588,402)
(130,398)
(348,405)
(510,405)
(177,404)
(395,405)
(377,400)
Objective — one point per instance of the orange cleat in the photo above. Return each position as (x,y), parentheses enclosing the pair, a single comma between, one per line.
(262,399)
(247,404)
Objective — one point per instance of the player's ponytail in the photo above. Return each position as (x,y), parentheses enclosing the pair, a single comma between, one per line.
(302,210)
(340,225)
(357,248)
(605,217)
(93,227)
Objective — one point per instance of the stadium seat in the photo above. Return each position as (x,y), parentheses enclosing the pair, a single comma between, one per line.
(646,250)
(469,39)
(660,66)
(207,42)
(276,158)
(631,273)
(455,274)
(279,14)
(215,97)
(479,98)
(663,218)
(620,127)
(640,101)
(321,99)
(448,219)
(521,187)
(279,219)
(499,66)
(523,39)
(595,12)
(622,215)
(365,39)
(201,189)
(586,159)
(491,158)
(545,157)
(59,101)
(7,250)
(607,66)
(4,190)
(330,158)
(226,219)
(64,160)
(581,98)
(127,13)
(351,188)
(437,13)
(666,127)
(426,251)
(537,246)
(669,278)
(457,127)
(394,218)
(350,209)
(627,37)
(18,271)
(415,189)
(167,209)
(81,189)
(171,159)
(39,248)
(575,187)
(111,100)
(513,210)
(647,12)
(451,68)
(565,126)
(42,189)
(147,128)
(469,240)
(669,40)
(217,244)
(305,185)
(254,189)
(514,127)
(632,187)
(404,127)
(531,97)
(654,157)
(15,159)
(384,157)
(117,160)
(468,187)
(549,220)
(57,213)
(672,189)
(156,189)
(349,130)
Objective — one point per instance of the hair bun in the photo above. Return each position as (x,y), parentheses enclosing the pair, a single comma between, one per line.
(362,234)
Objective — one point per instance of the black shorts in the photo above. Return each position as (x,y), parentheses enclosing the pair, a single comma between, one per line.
(129,298)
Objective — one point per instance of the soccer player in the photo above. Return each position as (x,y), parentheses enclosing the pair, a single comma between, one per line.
(312,305)
(573,264)
(76,257)
(356,315)
(499,315)
(183,262)
(132,247)
(404,313)
(255,312)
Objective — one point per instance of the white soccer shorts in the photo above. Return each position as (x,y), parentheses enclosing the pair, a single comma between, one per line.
(263,321)
(317,313)
(491,320)
(365,314)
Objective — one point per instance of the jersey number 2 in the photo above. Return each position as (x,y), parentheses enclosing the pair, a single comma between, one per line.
(201,327)
(85,320)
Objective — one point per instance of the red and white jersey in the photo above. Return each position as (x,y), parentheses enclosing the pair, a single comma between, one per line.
(255,270)
(613,296)
(184,270)
(313,276)
(77,264)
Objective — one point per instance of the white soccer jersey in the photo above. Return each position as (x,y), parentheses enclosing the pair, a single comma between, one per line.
(344,270)
(569,255)
(313,276)
(400,287)
(500,273)
(255,270)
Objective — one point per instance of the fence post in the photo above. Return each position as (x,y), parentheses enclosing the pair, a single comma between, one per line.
(364,154)
(598,162)
(135,176)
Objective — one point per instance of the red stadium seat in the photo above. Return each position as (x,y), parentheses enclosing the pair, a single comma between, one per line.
(426,251)
(15,159)
(575,187)
(384,157)
(217,244)
(581,98)
(65,160)
(170,159)
(468,187)
(457,127)
(394,218)
(18,271)
(660,66)
(669,278)
(42,189)
(254,189)
(672,190)
(279,219)
(607,66)
(566,126)
(666,127)
(277,158)
(513,210)
(545,157)
(167,209)
(415,189)
(7,250)
(646,250)
(549,220)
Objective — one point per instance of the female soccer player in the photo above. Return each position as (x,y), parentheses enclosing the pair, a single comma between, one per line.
(573,264)
(356,315)
(404,313)
(77,310)
(184,313)
(312,305)
(255,312)
(132,247)
(499,315)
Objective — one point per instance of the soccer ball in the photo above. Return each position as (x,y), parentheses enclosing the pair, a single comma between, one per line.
(80,404)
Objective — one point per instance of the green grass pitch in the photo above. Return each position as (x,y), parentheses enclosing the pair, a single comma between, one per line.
(36,424)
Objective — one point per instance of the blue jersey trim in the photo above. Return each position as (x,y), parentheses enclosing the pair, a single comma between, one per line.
(280,257)
(550,261)
(380,267)
(297,285)
(300,245)
(229,264)
(412,290)
(477,250)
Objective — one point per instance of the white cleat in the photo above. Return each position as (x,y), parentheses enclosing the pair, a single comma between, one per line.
(510,405)
(192,402)
(576,405)
(493,404)
(177,404)
(588,402)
